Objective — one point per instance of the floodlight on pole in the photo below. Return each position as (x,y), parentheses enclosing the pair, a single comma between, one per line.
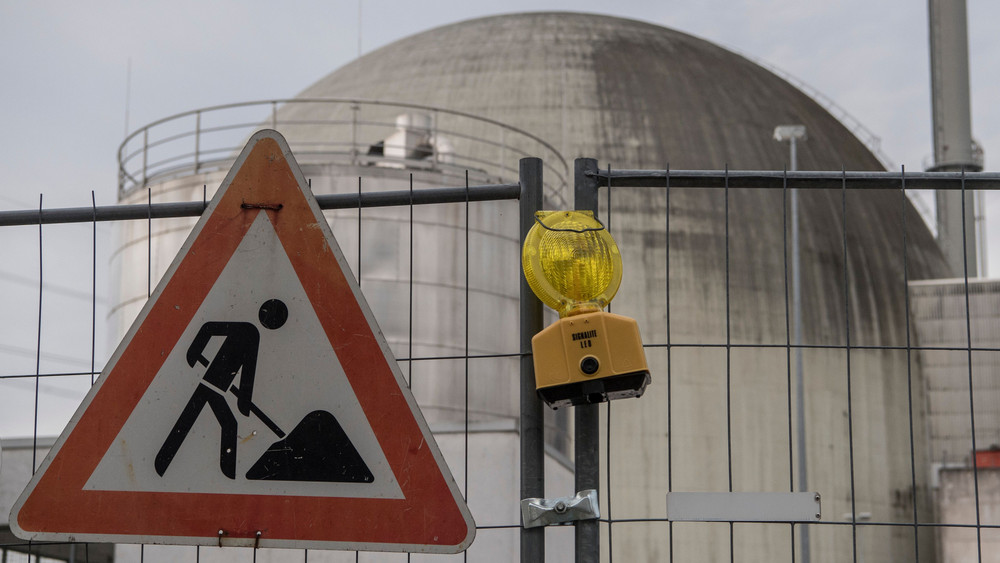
(793,134)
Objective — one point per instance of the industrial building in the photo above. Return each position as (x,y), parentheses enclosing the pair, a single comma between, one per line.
(705,274)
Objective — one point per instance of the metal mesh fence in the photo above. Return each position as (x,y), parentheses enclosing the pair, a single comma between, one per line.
(895,426)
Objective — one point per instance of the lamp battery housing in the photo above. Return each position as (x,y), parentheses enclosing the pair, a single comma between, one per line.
(589,358)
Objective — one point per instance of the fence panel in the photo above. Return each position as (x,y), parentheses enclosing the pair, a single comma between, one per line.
(895,428)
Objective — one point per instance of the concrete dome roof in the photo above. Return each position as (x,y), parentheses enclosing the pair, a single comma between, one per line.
(630,93)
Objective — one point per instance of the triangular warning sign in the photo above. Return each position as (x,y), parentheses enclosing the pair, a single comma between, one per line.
(254,401)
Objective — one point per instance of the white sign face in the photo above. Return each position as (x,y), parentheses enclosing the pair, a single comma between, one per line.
(296,373)
(254,401)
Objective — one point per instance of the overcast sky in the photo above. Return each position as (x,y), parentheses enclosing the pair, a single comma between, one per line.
(65,96)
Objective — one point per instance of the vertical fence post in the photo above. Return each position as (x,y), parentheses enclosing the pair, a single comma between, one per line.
(586,443)
(800,387)
(532,422)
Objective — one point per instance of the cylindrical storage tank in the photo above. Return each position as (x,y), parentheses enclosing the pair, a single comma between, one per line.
(441,279)
(636,95)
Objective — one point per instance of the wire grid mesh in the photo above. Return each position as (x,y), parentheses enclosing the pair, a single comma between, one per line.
(721,335)
(445,362)
(716,332)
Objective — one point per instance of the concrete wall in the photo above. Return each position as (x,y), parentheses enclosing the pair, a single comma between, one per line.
(956,500)
(944,319)
(940,321)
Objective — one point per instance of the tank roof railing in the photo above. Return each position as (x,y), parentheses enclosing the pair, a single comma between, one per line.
(452,143)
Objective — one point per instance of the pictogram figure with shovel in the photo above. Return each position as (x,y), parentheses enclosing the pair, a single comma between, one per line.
(237,356)
(318,448)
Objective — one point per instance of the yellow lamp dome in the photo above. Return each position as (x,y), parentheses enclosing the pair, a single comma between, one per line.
(571,262)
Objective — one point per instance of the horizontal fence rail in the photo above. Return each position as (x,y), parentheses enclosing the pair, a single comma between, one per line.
(194,208)
(823,180)
(951,181)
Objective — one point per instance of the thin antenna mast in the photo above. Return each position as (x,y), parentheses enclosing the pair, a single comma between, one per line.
(128,91)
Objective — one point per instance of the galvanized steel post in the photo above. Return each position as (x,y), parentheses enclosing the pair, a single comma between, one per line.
(586,442)
(532,424)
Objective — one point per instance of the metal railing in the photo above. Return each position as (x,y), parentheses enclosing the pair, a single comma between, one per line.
(350,132)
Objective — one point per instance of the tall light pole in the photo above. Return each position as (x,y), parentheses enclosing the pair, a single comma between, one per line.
(793,134)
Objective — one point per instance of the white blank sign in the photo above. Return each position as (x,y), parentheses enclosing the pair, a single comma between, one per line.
(743,507)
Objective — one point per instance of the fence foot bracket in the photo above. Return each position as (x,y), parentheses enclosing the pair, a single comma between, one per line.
(563,510)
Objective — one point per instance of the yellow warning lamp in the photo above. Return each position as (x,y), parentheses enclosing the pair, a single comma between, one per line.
(588,356)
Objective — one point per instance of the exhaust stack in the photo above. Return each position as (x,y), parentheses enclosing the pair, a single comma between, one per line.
(954,148)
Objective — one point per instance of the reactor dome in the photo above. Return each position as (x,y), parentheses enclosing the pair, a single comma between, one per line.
(633,94)
(636,95)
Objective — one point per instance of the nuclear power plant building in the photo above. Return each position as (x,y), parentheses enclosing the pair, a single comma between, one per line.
(706,276)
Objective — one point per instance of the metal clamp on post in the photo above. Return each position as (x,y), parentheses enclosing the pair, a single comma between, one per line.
(563,510)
